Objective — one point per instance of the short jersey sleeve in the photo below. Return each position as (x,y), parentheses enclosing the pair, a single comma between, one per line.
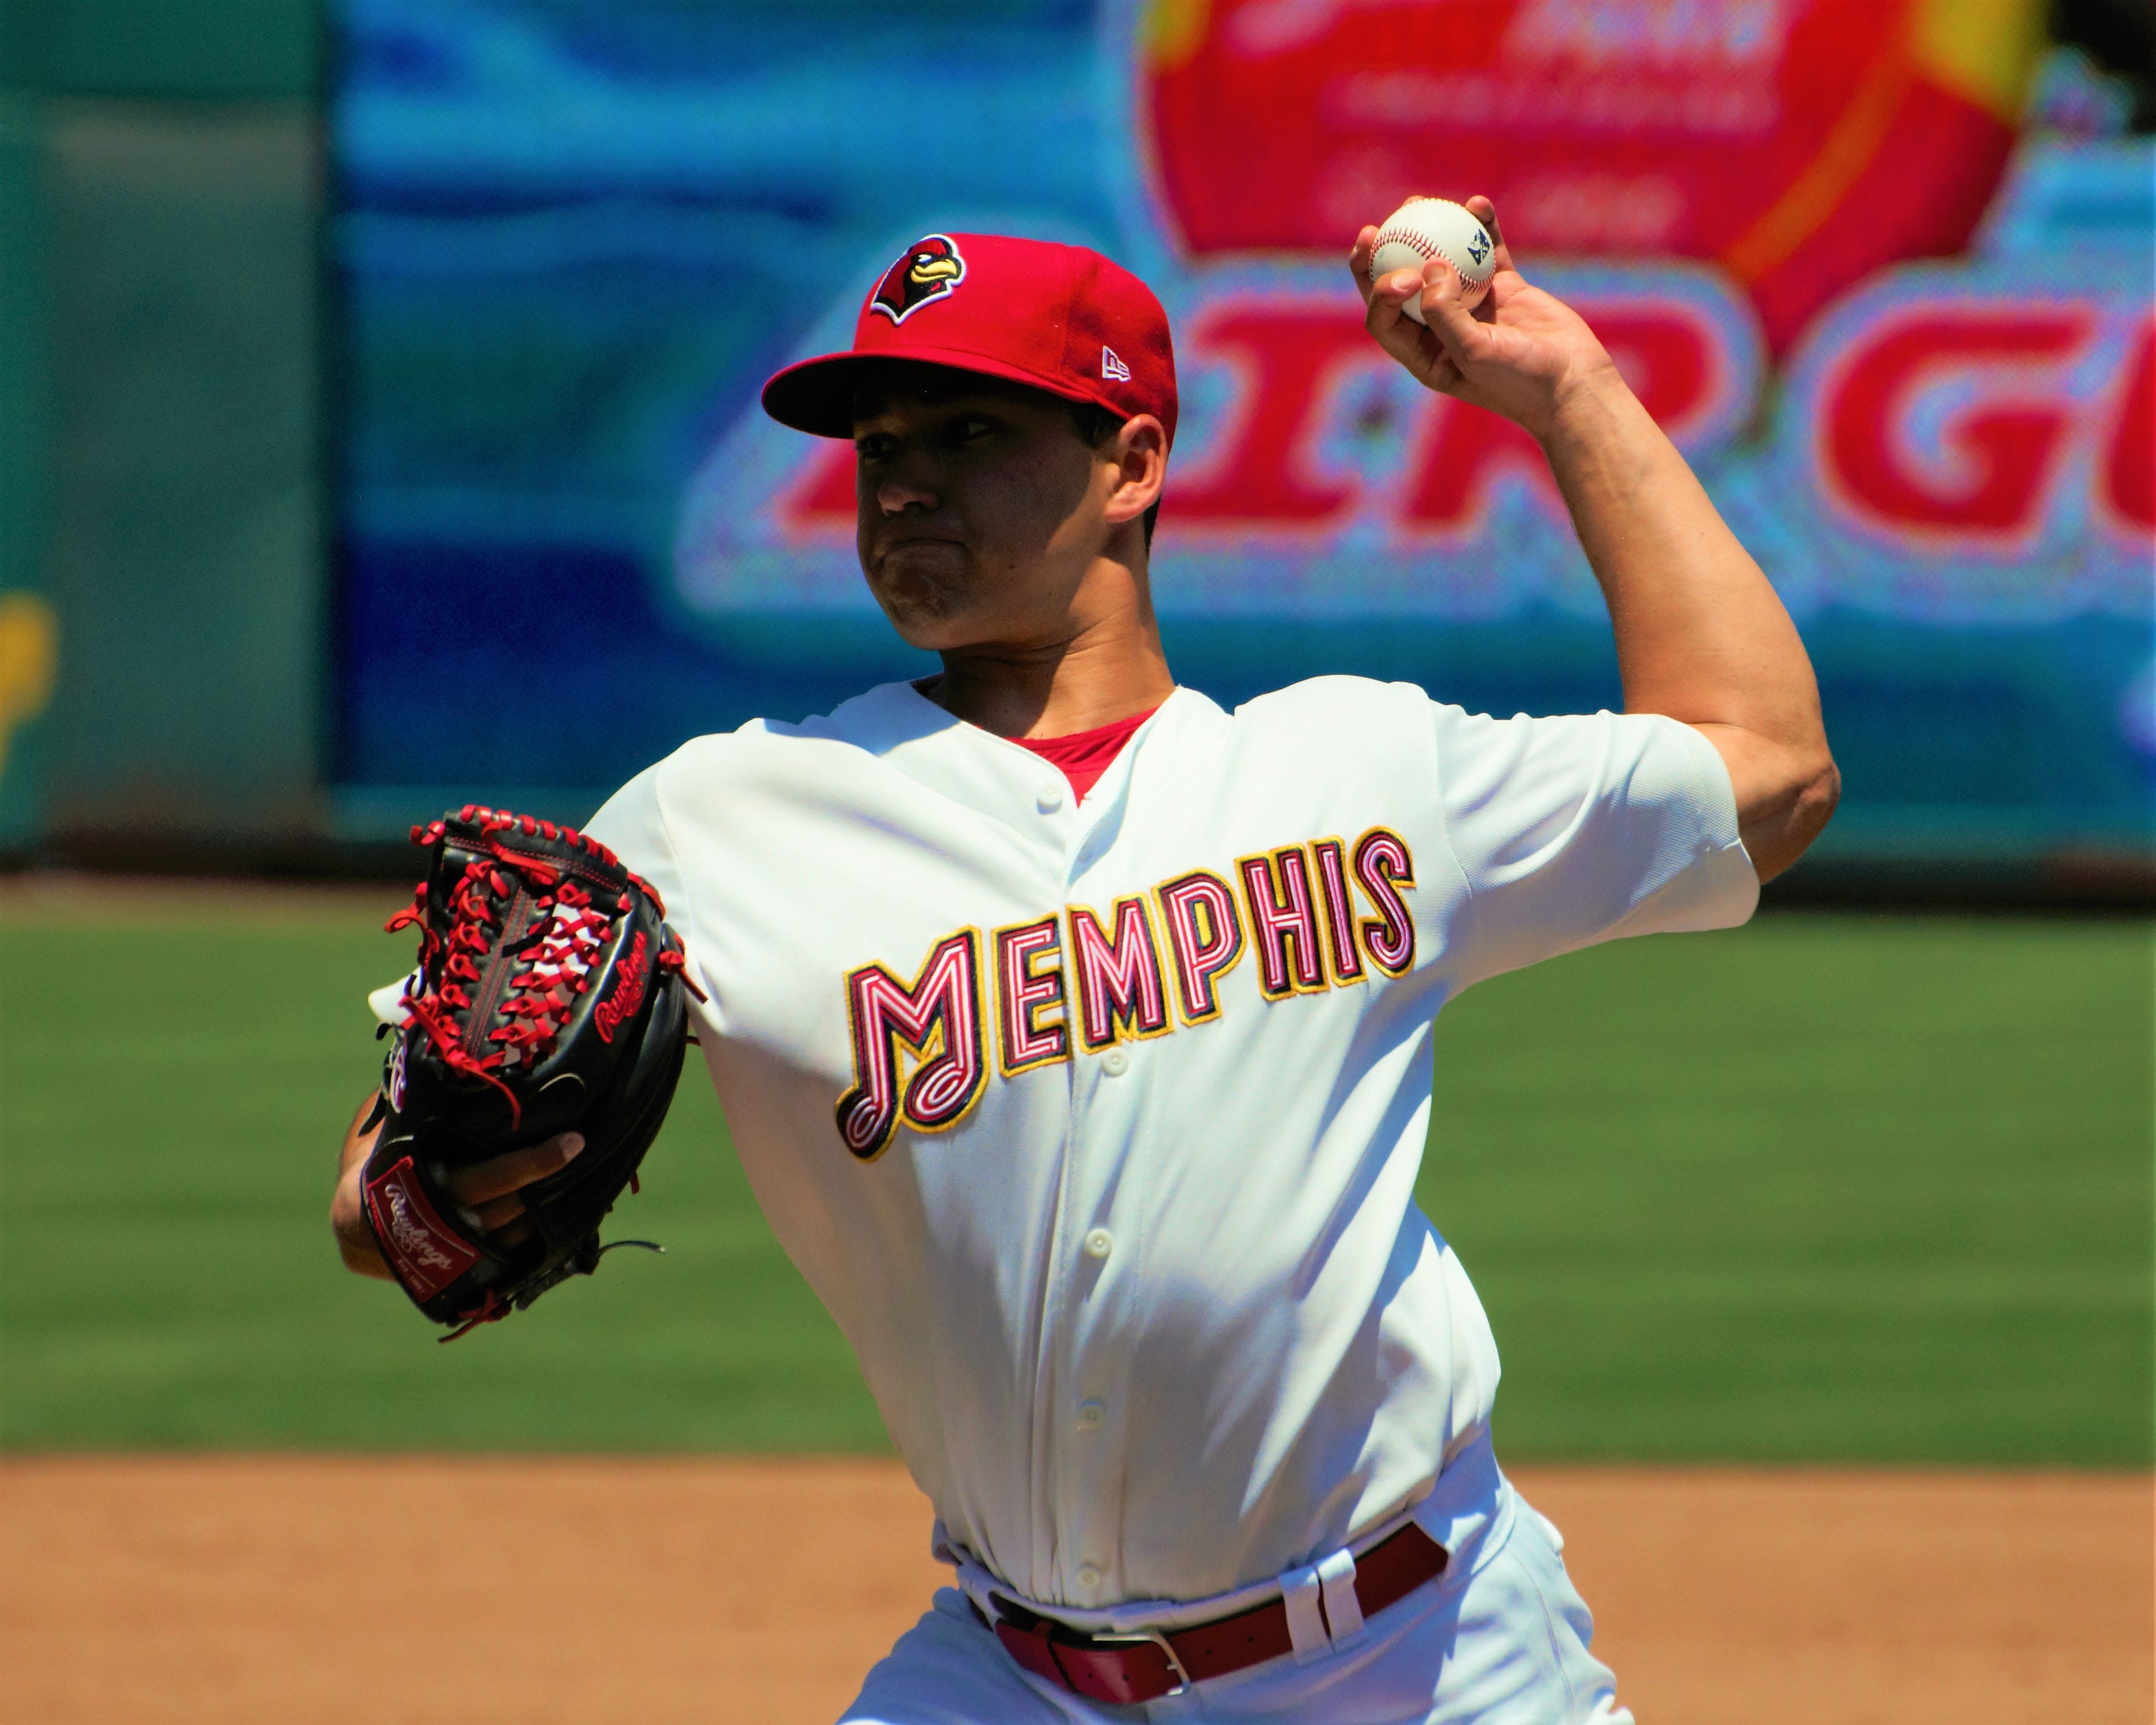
(631,825)
(1578,829)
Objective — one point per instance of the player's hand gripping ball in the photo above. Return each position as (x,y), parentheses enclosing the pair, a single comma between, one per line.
(549,995)
(1426,227)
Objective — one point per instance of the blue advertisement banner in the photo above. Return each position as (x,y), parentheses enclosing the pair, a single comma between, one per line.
(574,238)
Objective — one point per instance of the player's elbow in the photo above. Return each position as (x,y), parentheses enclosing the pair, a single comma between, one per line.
(1817,795)
(1783,827)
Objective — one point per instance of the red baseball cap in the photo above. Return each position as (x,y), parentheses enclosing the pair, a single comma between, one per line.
(1058,317)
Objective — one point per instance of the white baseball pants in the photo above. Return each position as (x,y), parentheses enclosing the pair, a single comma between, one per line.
(1505,1643)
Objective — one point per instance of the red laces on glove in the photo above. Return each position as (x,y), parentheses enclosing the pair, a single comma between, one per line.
(558,948)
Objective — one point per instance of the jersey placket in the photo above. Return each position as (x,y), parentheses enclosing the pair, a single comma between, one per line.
(1086,1353)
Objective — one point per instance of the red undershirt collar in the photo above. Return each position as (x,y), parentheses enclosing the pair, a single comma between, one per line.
(1083,756)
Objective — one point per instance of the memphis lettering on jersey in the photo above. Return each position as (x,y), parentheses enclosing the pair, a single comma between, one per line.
(1312,916)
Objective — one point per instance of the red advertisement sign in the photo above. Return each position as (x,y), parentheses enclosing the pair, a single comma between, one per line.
(1799,144)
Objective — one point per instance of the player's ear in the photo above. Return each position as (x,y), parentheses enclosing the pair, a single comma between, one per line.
(1139,451)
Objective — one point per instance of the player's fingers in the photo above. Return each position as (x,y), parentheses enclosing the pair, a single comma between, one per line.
(1452,323)
(500,1175)
(1486,212)
(515,1233)
(498,1213)
(1400,335)
(1391,326)
(1385,316)
(1359,261)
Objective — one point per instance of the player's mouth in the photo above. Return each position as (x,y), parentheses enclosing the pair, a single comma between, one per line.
(916,542)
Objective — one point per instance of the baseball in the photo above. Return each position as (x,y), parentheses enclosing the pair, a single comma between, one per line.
(1426,227)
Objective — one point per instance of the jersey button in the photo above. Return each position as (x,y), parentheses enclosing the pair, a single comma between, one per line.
(1099,1243)
(1115,1062)
(1092,1417)
(1049,797)
(1089,1577)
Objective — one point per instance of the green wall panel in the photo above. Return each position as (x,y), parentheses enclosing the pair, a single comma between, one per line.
(185,540)
(204,48)
(28,636)
(161,538)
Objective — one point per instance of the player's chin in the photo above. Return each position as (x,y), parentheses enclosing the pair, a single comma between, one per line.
(924,611)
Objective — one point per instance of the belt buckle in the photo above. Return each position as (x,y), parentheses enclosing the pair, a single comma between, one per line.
(1155,1638)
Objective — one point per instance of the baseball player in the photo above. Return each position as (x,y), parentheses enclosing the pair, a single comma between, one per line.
(1075,1035)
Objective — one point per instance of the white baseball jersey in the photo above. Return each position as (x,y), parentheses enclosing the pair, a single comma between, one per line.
(1096,1126)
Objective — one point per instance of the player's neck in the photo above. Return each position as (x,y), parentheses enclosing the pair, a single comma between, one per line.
(1109,668)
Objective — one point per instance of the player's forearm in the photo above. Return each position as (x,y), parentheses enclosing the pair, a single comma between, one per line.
(1701,635)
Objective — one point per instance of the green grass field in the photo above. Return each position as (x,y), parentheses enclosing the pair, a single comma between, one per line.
(1832,1189)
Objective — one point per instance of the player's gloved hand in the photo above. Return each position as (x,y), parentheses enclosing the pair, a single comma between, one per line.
(549,999)
(1521,352)
(489,1189)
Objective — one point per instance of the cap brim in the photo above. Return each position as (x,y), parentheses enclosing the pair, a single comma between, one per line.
(817,395)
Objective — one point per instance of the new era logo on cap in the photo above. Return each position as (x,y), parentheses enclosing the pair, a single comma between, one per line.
(1056,317)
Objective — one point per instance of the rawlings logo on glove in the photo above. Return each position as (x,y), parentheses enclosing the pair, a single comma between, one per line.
(627,993)
(550,995)
(421,1248)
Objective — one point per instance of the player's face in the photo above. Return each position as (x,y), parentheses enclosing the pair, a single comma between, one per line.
(980,508)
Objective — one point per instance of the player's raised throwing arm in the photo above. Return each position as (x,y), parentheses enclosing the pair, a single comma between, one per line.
(1701,636)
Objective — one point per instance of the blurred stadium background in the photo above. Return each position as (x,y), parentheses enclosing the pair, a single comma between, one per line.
(346,350)
(343,350)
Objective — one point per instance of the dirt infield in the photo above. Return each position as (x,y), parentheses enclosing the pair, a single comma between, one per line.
(287,1590)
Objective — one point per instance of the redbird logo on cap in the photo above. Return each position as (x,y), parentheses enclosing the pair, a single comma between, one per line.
(1058,317)
(930,270)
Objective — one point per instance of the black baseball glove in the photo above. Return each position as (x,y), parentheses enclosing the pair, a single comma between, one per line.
(549,995)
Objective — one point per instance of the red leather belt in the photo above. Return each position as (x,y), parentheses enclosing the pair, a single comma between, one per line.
(1124,1669)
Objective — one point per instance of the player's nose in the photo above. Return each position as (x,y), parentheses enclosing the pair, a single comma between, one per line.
(898,491)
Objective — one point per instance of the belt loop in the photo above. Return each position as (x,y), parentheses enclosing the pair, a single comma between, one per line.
(1343,1610)
(1300,1592)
